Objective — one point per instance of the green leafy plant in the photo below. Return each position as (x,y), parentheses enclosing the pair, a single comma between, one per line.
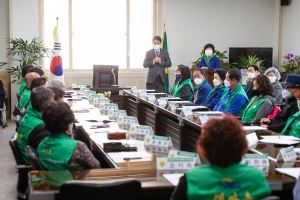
(251,60)
(24,53)
(222,56)
(291,64)
(105,95)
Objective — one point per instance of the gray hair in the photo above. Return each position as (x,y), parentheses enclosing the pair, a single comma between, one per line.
(275,71)
(58,83)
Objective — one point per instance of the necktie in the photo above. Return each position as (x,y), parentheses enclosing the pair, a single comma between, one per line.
(156,53)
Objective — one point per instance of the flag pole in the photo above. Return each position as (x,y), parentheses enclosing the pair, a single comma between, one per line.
(57,18)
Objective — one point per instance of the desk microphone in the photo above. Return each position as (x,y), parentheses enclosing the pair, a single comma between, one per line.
(115,81)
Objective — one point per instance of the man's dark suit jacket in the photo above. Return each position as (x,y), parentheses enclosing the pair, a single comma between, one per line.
(152,71)
(249,90)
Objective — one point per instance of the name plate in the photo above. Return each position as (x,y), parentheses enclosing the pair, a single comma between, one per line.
(151,98)
(171,107)
(184,154)
(257,160)
(142,94)
(286,154)
(186,112)
(160,141)
(202,119)
(161,151)
(139,132)
(252,140)
(134,90)
(161,102)
(92,95)
(104,108)
(125,122)
(78,85)
(85,90)
(174,163)
(115,114)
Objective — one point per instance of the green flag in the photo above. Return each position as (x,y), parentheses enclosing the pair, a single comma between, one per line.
(164,45)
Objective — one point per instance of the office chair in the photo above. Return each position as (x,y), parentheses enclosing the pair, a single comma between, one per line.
(22,183)
(34,159)
(105,76)
(18,96)
(17,121)
(23,112)
(17,110)
(118,190)
(3,105)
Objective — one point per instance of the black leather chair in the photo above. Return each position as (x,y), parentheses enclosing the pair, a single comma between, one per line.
(17,110)
(34,159)
(105,76)
(120,190)
(18,96)
(3,105)
(17,121)
(22,183)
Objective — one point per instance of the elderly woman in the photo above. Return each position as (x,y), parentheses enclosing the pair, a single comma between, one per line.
(210,60)
(222,142)
(273,74)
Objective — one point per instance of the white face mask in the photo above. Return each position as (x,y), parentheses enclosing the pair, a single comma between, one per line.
(216,82)
(198,81)
(208,52)
(251,75)
(227,83)
(156,47)
(286,94)
(272,79)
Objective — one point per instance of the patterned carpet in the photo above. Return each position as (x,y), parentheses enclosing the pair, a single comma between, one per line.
(8,175)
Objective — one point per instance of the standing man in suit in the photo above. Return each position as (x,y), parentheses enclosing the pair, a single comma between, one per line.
(156,60)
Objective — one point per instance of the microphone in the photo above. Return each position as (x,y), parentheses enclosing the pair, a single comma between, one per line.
(115,81)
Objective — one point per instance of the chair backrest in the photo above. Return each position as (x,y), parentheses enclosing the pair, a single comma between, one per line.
(34,159)
(17,121)
(103,76)
(16,151)
(18,96)
(119,190)
(23,112)
(2,94)
(17,110)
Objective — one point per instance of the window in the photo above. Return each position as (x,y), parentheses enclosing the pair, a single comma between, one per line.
(99,31)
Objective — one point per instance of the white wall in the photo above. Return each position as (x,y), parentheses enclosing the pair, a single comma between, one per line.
(4,31)
(291,28)
(190,24)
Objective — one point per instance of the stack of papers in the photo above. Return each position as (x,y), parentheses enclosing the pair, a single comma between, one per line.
(280,139)
(130,155)
(173,178)
(254,128)
(293,172)
(209,113)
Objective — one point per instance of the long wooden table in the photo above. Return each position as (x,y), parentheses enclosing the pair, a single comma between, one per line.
(184,134)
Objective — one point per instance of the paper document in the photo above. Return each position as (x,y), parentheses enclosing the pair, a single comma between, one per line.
(285,137)
(254,128)
(129,155)
(293,172)
(278,140)
(173,178)
(209,113)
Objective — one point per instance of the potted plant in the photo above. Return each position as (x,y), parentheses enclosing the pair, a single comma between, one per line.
(252,59)
(26,54)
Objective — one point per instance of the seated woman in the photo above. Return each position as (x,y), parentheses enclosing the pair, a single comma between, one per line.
(262,104)
(210,61)
(37,82)
(217,92)
(59,93)
(184,87)
(273,74)
(223,143)
(58,151)
(202,88)
(292,126)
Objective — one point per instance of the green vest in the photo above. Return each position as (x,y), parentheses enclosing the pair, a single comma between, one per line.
(237,181)
(213,91)
(55,151)
(251,110)
(238,90)
(31,120)
(295,129)
(25,98)
(176,90)
(22,86)
(207,62)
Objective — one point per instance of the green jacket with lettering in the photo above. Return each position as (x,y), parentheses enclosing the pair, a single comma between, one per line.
(25,98)
(22,86)
(237,181)
(176,89)
(31,120)
(295,129)
(238,90)
(55,151)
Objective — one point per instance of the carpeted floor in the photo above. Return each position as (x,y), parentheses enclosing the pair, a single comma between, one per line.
(8,175)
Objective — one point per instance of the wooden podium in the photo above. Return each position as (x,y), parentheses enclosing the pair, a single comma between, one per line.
(209,75)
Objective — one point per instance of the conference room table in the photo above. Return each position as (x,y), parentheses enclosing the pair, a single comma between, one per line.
(46,184)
